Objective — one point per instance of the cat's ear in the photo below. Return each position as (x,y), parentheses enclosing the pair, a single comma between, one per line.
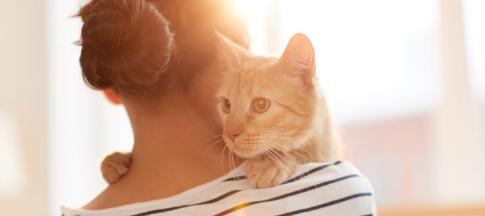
(230,52)
(299,58)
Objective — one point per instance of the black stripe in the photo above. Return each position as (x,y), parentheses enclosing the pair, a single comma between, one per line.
(235,178)
(327,204)
(184,206)
(313,187)
(311,171)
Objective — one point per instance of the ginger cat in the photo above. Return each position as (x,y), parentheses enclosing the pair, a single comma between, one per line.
(273,114)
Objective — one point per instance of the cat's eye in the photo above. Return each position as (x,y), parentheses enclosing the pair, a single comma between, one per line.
(226,105)
(260,105)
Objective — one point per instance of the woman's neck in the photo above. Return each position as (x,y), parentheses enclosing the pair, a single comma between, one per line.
(174,151)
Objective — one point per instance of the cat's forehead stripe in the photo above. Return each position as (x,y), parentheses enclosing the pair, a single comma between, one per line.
(250,72)
(246,79)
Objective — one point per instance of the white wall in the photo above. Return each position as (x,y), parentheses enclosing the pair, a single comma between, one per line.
(54,130)
(23,175)
(459,148)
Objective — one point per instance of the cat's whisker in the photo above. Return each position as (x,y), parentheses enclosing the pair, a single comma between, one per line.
(300,155)
(275,160)
(273,155)
(286,154)
(266,150)
(274,145)
(222,156)
(279,156)
(209,139)
(304,152)
(295,161)
(280,139)
(213,141)
(289,134)
(281,164)
(216,143)
(231,158)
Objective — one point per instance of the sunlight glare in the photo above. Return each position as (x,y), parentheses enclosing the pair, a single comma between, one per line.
(255,13)
(243,7)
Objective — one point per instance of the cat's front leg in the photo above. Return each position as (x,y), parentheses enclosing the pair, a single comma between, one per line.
(115,166)
(264,171)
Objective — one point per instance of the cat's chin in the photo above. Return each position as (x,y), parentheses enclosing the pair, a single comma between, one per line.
(244,153)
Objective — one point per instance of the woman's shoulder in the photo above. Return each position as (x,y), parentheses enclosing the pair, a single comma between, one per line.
(336,188)
(338,172)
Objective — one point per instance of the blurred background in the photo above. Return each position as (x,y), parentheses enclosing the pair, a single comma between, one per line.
(405,80)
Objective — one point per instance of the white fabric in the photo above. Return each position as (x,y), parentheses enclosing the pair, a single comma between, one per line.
(336,188)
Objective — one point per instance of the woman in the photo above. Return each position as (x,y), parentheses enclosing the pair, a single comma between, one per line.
(158,58)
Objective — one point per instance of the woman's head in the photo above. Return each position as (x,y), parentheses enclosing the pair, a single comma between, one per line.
(152,48)
(125,44)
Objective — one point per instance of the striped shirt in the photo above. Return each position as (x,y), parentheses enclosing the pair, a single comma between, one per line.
(336,188)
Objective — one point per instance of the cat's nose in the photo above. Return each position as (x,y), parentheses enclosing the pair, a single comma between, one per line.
(233,134)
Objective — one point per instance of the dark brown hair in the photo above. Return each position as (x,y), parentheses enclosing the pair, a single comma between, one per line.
(133,44)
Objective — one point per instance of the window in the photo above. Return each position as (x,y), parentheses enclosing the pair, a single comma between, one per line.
(475,41)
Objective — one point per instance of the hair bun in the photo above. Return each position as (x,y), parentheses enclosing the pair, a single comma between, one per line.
(124,43)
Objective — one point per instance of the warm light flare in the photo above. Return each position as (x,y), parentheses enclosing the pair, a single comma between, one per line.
(255,12)
(243,7)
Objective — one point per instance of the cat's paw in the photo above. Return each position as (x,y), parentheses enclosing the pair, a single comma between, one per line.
(263,172)
(115,166)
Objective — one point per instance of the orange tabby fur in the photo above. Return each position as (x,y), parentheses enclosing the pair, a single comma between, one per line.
(296,128)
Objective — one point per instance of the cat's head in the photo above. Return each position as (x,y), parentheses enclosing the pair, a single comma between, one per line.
(268,104)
